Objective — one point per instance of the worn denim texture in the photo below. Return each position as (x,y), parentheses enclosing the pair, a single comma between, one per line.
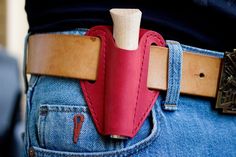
(174,75)
(194,129)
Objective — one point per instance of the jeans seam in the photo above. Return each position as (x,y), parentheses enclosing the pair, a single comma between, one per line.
(28,110)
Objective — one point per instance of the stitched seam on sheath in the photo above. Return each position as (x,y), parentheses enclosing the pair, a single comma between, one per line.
(141,72)
(161,43)
(135,110)
(90,102)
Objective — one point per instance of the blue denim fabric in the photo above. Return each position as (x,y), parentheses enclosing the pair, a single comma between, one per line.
(174,75)
(195,129)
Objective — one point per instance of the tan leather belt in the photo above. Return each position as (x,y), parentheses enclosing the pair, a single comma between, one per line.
(76,56)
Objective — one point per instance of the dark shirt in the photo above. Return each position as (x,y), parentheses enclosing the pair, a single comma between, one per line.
(209,24)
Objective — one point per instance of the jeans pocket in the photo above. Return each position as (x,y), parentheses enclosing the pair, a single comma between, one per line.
(56,131)
(68,128)
(60,124)
(56,137)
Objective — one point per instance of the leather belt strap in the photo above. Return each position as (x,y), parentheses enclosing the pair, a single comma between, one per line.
(76,56)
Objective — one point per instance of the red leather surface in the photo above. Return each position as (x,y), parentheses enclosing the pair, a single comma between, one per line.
(119,100)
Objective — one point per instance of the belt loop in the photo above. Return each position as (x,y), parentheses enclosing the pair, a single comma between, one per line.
(25,60)
(174,75)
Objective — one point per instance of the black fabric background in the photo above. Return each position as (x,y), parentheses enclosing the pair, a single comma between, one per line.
(209,24)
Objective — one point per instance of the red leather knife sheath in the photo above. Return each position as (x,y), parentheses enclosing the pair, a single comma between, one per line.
(119,99)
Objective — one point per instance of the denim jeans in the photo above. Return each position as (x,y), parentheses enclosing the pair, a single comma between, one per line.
(191,128)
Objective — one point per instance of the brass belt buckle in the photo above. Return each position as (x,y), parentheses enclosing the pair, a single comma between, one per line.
(226,95)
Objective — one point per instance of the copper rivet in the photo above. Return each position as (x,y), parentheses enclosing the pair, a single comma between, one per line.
(31,152)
